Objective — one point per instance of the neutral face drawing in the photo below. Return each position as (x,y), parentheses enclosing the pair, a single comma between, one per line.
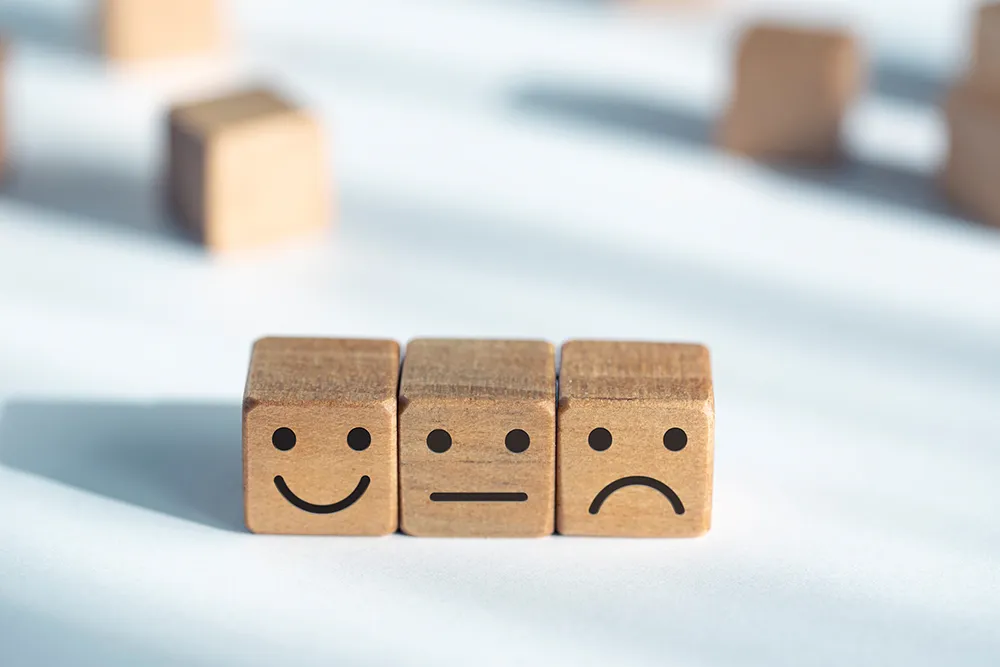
(477,438)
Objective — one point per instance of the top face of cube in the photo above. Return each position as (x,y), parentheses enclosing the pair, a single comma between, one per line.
(635,439)
(494,370)
(309,370)
(674,373)
(212,115)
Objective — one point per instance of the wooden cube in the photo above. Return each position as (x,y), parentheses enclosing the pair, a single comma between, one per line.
(3,106)
(792,89)
(247,169)
(319,437)
(477,438)
(970,172)
(635,439)
(145,29)
(986,46)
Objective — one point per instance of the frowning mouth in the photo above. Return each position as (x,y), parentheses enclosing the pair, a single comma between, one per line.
(637,480)
(479,497)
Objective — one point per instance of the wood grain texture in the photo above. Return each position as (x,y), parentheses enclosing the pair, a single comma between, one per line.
(147,29)
(792,88)
(972,111)
(636,426)
(483,394)
(325,391)
(246,169)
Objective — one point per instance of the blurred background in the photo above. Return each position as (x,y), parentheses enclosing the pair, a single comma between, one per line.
(502,168)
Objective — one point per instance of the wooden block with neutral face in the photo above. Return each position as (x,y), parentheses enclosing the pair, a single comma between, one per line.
(477,438)
(986,46)
(247,169)
(969,175)
(635,439)
(792,88)
(319,437)
(148,29)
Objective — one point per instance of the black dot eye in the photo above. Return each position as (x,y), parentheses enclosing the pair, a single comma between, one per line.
(599,439)
(438,441)
(675,439)
(283,438)
(517,441)
(359,439)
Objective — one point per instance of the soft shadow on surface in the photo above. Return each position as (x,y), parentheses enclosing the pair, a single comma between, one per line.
(181,459)
(30,21)
(617,112)
(32,638)
(107,197)
(755,305)
(661,122)
(907,83)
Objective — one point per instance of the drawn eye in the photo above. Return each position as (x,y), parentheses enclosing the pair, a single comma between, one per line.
(438,441)
(283,438)
(359,439)
(599,439)
(517,441)
(675,439)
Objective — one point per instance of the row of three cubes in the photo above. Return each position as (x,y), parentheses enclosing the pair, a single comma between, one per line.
(478,438)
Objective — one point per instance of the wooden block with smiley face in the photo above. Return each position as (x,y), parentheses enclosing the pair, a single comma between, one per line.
(477,438)
(319,437)
(635,439)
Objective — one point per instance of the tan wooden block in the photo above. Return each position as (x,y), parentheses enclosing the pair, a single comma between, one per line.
(969,174)
(319,437)
(635,439)
(477,438)
(3,106)
(247,169)
(792,88)
(146,29)
(986,46)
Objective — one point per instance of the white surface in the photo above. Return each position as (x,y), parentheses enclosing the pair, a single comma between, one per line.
(505,168)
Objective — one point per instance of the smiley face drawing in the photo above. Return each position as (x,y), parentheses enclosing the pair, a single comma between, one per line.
(477,438)
(635,439)
(319,437)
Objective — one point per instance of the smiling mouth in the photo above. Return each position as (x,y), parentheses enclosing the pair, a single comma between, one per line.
(637,480)
(479,497)
(353,497)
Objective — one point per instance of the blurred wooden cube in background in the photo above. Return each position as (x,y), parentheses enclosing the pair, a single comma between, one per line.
(986,45)
(3,106)
(148,29)
(246,169)
(971,172)
(792,88)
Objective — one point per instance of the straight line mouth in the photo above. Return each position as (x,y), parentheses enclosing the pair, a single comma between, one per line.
(479,497)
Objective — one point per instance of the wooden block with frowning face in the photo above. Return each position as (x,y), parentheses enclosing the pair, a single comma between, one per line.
(319,437)
(635,439)
(792,88)
(477,438)
(146,29)
(969,176)
(246,169)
